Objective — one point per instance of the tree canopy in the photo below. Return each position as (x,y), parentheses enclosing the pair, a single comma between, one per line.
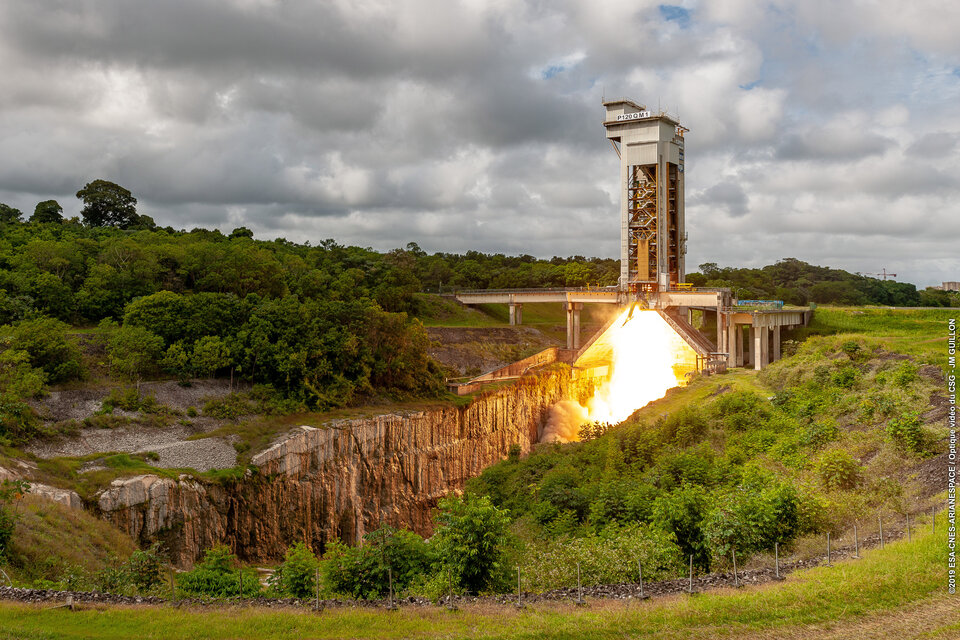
(107,204)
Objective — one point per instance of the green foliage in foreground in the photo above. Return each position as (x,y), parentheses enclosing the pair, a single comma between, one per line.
(297,575)
(906,577)
(217,576)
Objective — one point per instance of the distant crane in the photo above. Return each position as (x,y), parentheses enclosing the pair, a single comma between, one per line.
(884,274)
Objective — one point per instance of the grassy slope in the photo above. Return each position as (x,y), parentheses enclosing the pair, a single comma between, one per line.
(916,332)
(50,538)
(891,589)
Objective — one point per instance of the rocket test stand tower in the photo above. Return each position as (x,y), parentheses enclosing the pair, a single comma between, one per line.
(652,236)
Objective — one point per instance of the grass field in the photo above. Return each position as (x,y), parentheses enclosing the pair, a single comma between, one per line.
(917,332)
(899,591)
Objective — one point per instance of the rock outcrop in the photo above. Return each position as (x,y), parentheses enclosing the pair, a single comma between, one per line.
(339,481)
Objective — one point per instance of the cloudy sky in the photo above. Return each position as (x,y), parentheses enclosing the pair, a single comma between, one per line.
(826,131)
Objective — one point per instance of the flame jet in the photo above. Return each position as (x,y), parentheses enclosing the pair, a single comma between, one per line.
(644,357)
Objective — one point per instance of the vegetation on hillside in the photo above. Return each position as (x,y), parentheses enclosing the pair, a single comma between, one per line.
(824,441)
(799,283)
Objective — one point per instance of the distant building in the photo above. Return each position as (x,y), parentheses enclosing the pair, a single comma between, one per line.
(950,286)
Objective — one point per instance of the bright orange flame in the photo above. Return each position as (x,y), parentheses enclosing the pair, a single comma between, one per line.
(646,355)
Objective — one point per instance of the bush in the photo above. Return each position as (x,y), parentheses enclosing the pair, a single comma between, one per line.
(907,433)
(11,491)
(904,374)
(838,470)
(296,577)
(821,432)
(134,351)
(751,519)
(45,341)
(362,571)
(144,567)
(216,577)
(470,539)
(606,557)
(846,377)
(681,513)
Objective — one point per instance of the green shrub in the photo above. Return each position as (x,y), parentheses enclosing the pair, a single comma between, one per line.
(907,433)
(363,571)
(749,519)
(839,470)
(740,410)
(821,432)
(846,377)
(296,577)
(230,407)
(562,489)
(904,374)
(216,577)
(681,513)
(134,351)
(469,540)
(608,556)
(11,492)
(144,568)
(48,347)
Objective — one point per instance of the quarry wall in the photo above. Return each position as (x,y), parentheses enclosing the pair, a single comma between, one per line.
(338,481)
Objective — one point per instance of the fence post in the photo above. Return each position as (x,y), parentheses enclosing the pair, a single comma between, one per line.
(856,543)
(880,522)
(776,560)
(519,596)
(240,575)
(579,587)
(390,604)
(640,571)
(828,549)
(690,587)
(736,580)
(450,604)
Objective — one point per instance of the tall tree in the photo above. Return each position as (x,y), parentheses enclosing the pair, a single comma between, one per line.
(9,214)
(47,211)
(107,204)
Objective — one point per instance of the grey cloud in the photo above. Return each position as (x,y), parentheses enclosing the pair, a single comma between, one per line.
(378,123)
(939,144)
(727,195)
(819,145)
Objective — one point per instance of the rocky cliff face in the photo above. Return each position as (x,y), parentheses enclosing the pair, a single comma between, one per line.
(339,481)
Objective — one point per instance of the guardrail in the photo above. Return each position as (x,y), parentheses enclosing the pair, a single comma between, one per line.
(763,304)
(610,289)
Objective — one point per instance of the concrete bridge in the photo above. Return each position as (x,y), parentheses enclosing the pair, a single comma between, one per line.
(763,325)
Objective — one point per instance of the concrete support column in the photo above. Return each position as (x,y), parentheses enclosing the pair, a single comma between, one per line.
(776,343)
(751,346)
(731,342)
(577,306)
(761,350)
(721,333)
(573,324)
(513,313)
(519,313)
(739,345)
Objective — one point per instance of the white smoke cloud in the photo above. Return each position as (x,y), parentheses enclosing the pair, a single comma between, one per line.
(563,423)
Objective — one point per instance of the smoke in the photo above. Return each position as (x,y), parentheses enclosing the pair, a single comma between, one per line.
(563,422)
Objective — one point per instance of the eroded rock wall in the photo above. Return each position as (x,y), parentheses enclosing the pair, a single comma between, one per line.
(339,481)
